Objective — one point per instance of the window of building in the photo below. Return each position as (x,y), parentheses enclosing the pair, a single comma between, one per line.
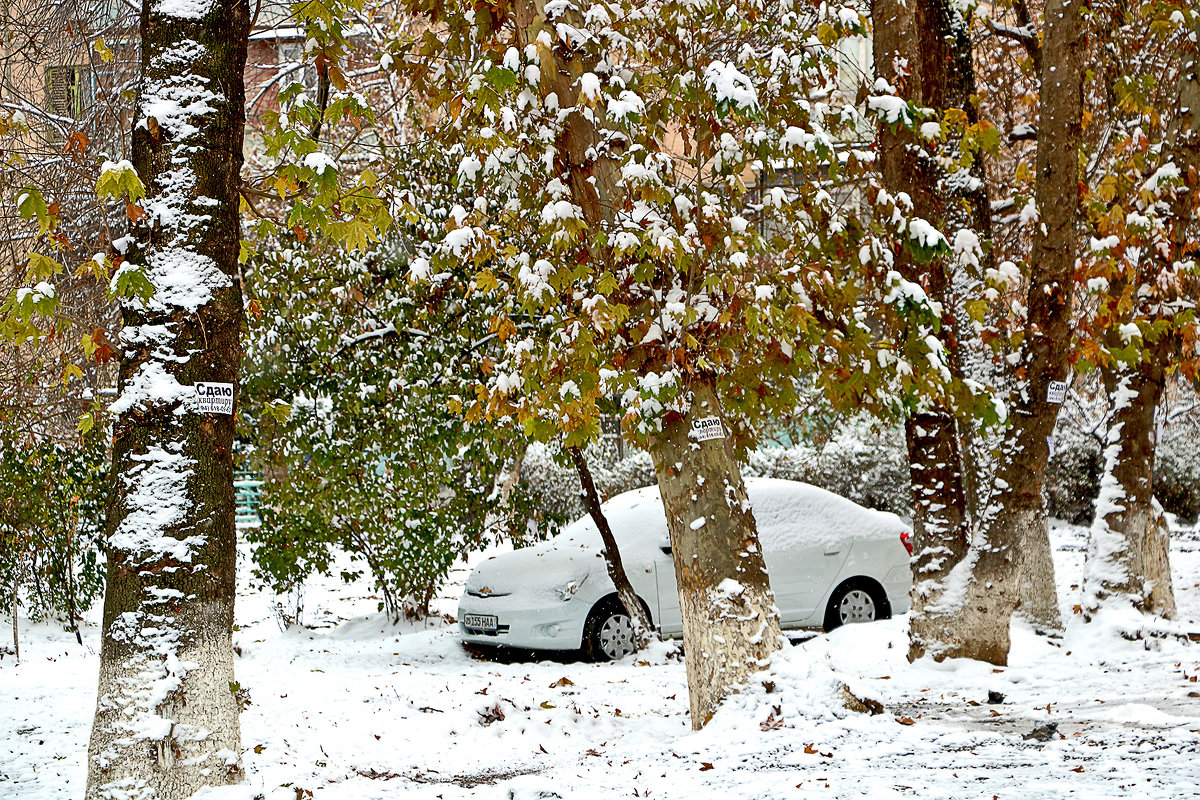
(68,91)
(856,64)
(291,56)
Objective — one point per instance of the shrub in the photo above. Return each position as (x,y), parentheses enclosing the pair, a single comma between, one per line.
(1073,476)
(1177,473)
(51,525)
(860,460)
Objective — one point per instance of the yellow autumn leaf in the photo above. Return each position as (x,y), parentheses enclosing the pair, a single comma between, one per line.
(72,370)
(106,54)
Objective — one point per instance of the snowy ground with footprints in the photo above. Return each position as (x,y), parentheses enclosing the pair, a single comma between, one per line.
(348,706)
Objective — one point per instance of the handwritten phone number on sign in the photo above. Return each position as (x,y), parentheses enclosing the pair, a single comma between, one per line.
(707,428)
(1056,392)
(214,398)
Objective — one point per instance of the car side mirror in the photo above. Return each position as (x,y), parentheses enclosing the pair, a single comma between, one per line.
(666,548)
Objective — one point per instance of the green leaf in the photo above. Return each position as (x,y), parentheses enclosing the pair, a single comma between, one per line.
(132,282)
(31,205)
(41,268)
(501,78)
(120,181)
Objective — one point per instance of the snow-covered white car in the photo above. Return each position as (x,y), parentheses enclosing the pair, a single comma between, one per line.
(831,562)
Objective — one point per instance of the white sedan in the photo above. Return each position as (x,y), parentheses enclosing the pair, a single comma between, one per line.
(830,560)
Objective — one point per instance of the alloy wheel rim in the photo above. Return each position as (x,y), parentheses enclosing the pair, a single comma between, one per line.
(616,637)
(857,606)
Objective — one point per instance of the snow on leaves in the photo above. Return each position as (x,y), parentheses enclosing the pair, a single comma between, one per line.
(641,201)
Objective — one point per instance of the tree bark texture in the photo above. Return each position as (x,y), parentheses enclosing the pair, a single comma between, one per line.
(166,720)
(1127,556)
(1011,554)
(922,49)
(730,623)
(581,159)
(941,529)
(16,608)
(612,555)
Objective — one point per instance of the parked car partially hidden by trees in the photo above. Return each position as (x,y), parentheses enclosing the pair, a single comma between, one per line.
(831,562)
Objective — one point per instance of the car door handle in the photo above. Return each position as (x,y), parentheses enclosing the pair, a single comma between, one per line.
(833,552)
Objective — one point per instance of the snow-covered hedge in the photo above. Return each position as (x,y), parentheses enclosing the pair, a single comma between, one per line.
(862,462)
(1177,473)
(52,500)
(867,463)
(1073,475)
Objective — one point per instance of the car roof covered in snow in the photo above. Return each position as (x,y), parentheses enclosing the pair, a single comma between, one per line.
(790,515)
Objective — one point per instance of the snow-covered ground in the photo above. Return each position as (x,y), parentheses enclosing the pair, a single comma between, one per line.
(354,707)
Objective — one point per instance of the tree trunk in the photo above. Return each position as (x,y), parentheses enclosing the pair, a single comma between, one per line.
(941,530)
(1127,558)
(1012,566)
(16,603)
(612,555)
(730,623)
(929,38)
(1128,555)
(166,719)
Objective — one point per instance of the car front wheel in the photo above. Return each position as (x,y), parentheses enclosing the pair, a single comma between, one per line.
(855,602)
(608,634)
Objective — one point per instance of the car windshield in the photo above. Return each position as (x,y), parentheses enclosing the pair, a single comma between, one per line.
(637,521)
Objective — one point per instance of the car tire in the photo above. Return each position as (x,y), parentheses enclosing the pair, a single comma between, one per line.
(856,601)
(608,632)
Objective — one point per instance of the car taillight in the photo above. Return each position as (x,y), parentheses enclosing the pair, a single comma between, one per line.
(906,540)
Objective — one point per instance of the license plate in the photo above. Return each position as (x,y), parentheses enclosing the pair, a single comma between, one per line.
(484,622)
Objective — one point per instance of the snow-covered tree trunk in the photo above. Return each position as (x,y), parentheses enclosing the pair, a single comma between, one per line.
(166,720)
(730,623)
(1127,558)
(941,529)
(1127,561)
(923,47)
(1010,557)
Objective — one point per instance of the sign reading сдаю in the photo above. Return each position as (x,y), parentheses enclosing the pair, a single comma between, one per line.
(214,398)
(707,428)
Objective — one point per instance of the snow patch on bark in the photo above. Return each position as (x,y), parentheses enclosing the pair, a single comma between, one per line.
(141,703)
(185,9)
(156,501)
